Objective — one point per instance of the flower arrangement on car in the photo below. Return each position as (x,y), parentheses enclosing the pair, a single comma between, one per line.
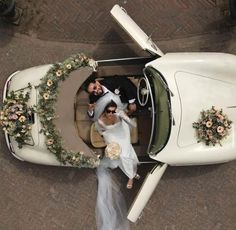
(48,91)
(16,117)
(212,127)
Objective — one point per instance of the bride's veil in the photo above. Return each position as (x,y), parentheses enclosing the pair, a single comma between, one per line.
(103,101)
(111,208)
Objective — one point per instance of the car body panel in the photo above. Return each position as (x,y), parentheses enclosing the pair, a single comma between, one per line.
(209,80)
(32,75)
(134,30)
(145,192)
(37,153)
(197,80)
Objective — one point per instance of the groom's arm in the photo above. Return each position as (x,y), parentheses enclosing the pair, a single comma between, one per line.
(130,92)
(124,84)
(129,89)
(91,106)
(90,111)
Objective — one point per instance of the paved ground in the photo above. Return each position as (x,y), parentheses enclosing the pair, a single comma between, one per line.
(41,198)
(88,21)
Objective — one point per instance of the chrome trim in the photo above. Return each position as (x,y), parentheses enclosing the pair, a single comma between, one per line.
(124,59)
(10,147)
(153,111)
(7,138)
(5,90)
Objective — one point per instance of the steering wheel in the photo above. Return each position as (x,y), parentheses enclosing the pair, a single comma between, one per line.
(142,91)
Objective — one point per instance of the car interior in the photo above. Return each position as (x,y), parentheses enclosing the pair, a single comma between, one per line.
(152,116)
(140,135)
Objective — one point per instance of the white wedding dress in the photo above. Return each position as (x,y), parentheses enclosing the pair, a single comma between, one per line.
(120,133)
(111,210)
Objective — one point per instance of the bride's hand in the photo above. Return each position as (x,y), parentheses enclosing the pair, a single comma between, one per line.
(123,116)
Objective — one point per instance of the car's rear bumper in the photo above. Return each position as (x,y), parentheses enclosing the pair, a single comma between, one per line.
(7,137)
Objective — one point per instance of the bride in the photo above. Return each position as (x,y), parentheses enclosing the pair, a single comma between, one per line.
(114,125)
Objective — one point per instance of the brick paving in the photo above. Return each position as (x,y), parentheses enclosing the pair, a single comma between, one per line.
(89,21)
(44,198)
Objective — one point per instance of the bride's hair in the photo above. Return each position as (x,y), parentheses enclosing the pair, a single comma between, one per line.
(110,104)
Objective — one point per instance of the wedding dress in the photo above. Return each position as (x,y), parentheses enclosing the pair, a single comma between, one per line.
(111,211)
(120,133)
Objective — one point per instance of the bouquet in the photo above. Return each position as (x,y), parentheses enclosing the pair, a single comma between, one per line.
(112,151)
(213,126)
(15,117)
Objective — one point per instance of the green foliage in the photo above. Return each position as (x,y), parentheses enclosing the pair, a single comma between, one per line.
(48,91)
(15,115)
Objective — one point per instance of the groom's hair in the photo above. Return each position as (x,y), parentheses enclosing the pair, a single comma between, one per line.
(90,79)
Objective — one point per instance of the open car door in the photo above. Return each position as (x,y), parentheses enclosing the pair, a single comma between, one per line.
(134,30)
(145,192)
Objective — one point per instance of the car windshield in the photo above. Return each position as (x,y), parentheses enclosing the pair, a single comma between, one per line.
(161,110)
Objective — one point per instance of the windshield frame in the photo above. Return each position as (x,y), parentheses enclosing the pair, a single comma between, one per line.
(152,75)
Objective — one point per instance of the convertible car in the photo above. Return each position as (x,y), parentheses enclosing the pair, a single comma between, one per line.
(186,115)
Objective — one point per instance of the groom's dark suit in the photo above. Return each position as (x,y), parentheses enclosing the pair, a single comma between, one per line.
(118,85)
(121,86)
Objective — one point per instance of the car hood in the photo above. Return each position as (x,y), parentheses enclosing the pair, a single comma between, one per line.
(197,93)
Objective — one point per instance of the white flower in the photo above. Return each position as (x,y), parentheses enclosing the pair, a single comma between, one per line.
(117,91)
(22,118)
(93,64)
(209,124)
(50,141)
(68,66)
(46,96)
(49,82)
(59,73)
(220,129)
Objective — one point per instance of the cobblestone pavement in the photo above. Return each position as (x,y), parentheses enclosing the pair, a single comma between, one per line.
(89,21)
(44,198)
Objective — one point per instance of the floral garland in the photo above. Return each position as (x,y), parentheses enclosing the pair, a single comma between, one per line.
(212,127)
(48,90)
(15,117)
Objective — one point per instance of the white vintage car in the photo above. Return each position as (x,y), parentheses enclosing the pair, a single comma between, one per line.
(172,90)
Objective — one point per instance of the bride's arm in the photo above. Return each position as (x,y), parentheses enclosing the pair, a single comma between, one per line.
(100,127)
(123,116)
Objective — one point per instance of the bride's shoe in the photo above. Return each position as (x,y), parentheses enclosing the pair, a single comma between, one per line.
(137,176)
(129,184)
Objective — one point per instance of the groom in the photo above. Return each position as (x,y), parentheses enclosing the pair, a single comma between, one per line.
(121,86)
